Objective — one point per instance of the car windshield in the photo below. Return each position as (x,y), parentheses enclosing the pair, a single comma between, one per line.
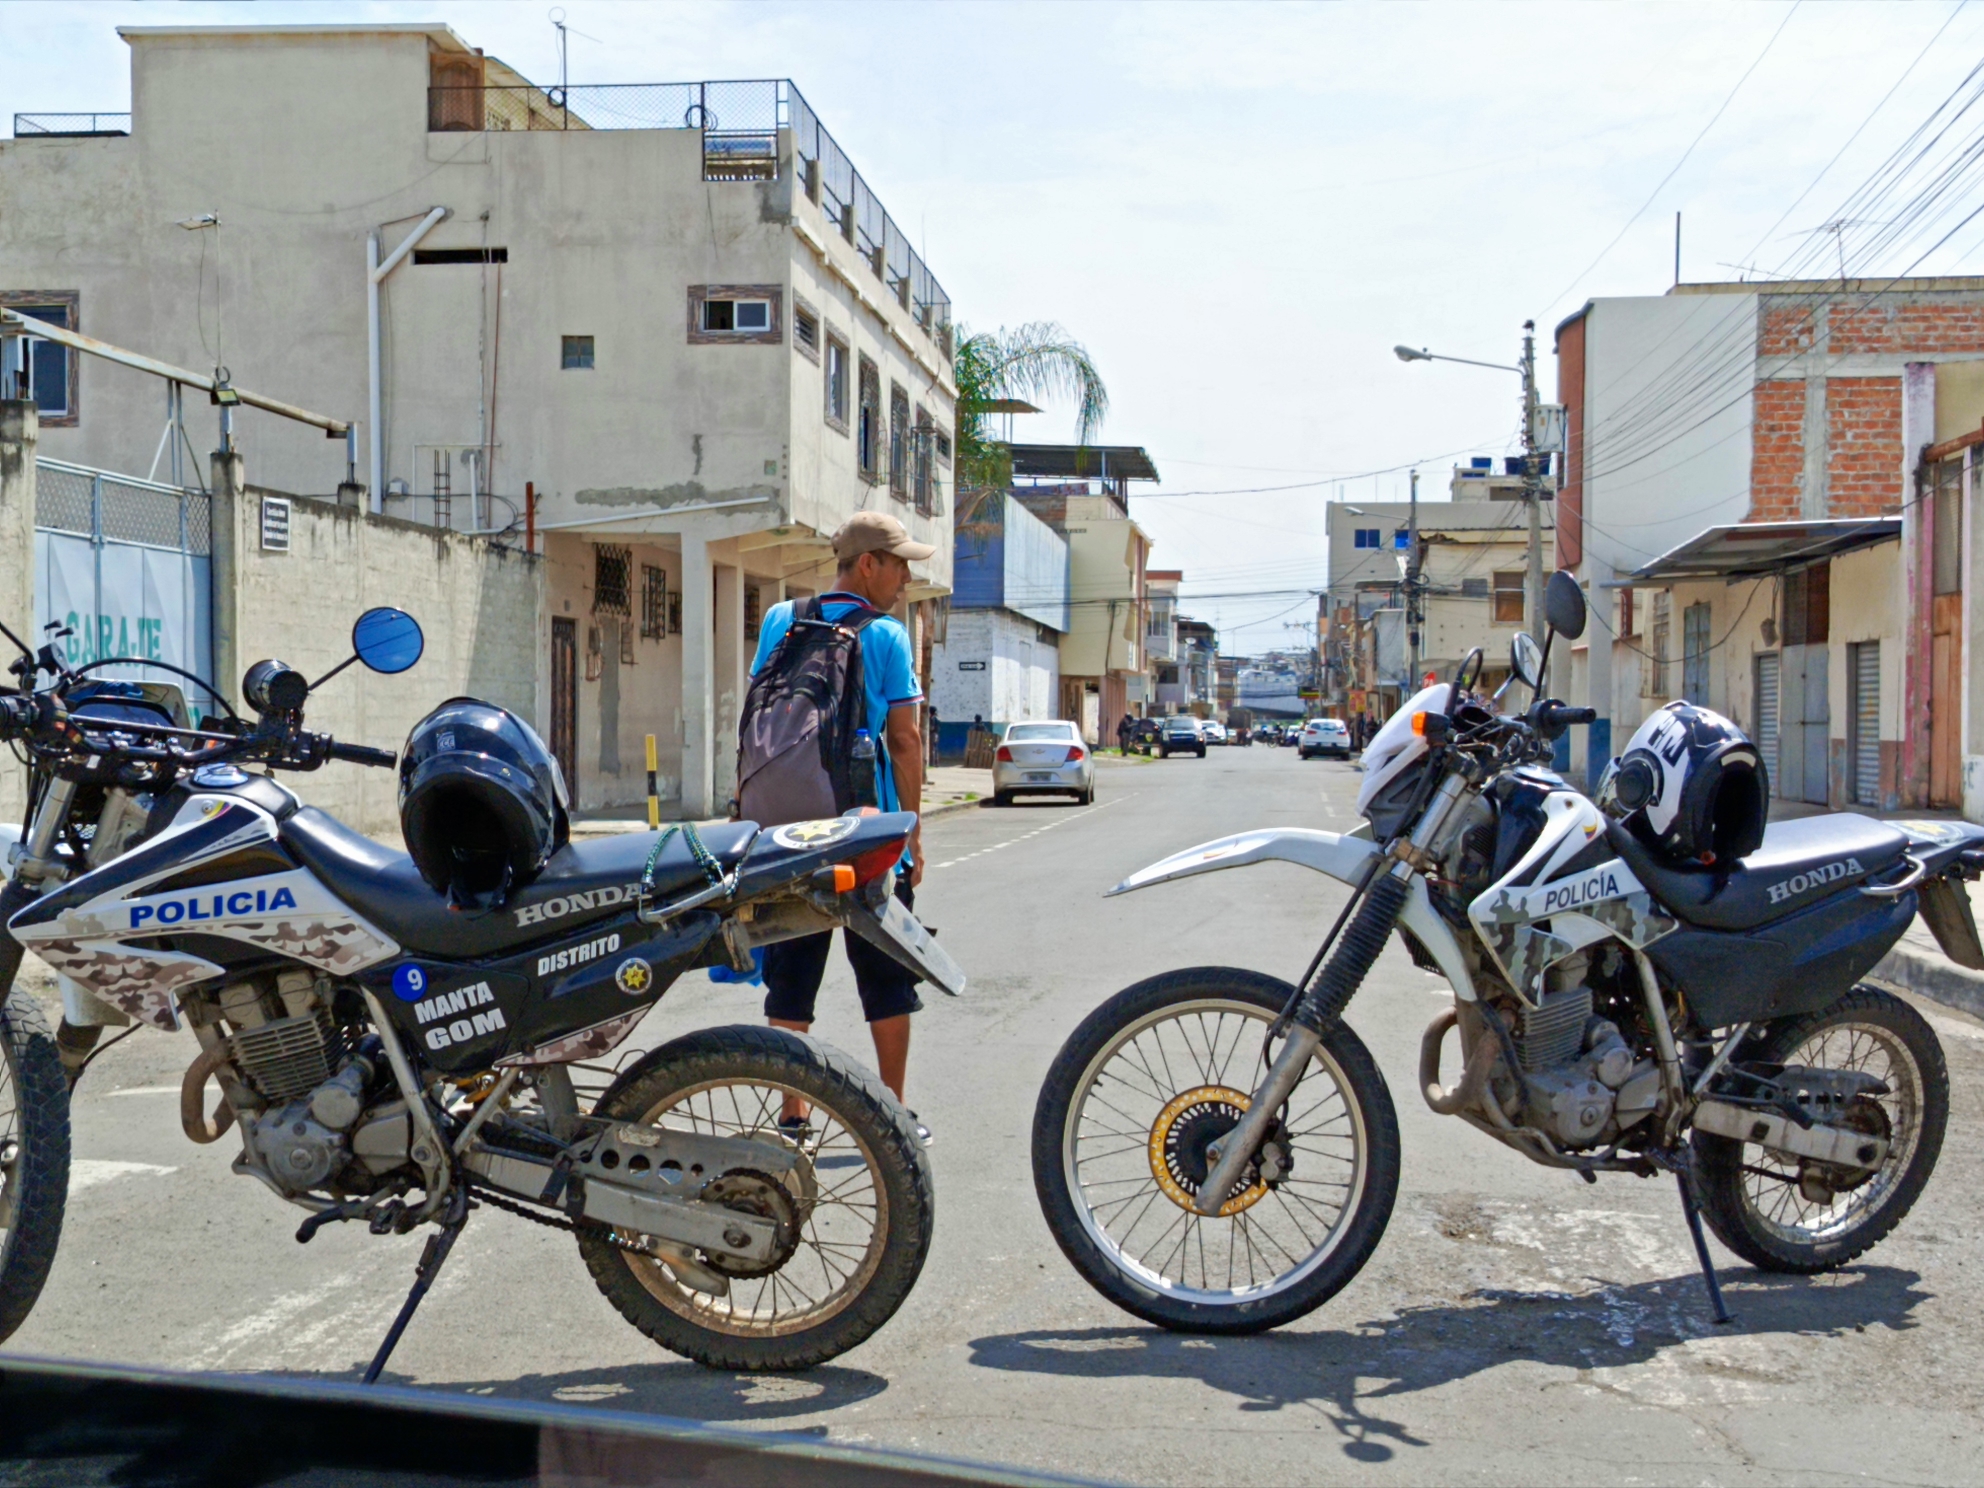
(1026,733)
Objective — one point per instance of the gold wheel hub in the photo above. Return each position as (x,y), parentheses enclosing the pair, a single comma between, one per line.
(1189,1123)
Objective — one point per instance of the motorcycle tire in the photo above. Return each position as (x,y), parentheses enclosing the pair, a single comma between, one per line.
(1102,1260)
(1746,1208)
(877,1132)
(34,1155)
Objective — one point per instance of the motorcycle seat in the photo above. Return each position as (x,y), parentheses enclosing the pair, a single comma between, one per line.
(1799,863)
(586,880)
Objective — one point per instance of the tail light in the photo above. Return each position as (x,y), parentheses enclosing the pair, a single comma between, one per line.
(872,864)
(1005,755)
(1076,753)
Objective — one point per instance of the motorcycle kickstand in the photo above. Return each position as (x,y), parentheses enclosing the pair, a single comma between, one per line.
(1691,1207)
(431,1259)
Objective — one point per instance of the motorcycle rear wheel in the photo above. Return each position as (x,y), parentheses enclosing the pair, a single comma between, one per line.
(1753,1202)
(34,1155)
(1118,1144)
(864,1202)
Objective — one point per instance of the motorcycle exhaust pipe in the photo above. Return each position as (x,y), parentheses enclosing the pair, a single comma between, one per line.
(1473,1075)
(193,1098)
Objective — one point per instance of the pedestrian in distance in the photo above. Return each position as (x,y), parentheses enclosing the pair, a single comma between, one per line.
(1124,728)
(934,732)
(873,552)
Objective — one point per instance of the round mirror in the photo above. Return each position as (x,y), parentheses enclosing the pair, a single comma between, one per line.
(1526,660)
(387,640)
(1563,605)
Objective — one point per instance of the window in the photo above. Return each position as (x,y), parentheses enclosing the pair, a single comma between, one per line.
(943,447)
(736,312)
(754,611)
(869,440)
(898,442)
(46,371)
(1628,620)
(654,602)
(1367,537)
(1694,654)
(1508,598)
(611,578)
(805,330)
(923,482)
(1402,539)
(1474,588)
(575,354)
(1653,661)
(1808,606)
(836,382)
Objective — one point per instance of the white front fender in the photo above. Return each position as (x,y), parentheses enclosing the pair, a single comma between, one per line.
(1340,855)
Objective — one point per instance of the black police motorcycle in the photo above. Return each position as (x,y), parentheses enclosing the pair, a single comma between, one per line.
(397,1056)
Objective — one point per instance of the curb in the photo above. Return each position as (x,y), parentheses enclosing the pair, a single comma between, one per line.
(1932,977)
(930,813)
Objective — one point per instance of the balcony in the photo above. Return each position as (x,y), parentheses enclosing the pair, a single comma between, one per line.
(741,124)
(71,126)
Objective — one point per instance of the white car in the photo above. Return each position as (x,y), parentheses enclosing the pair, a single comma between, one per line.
(1214,731)
(1324,736)
(1042,759)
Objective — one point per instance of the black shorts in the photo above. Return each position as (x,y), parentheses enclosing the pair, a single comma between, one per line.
(794,969)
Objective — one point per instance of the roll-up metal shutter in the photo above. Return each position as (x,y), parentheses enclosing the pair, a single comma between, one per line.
(1864,663)
(1767,711)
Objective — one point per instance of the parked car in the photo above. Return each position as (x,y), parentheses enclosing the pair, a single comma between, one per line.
(1042,759)
(1214,730)
(1289,734)
(1144,735)
(1181,735)
(1322,736)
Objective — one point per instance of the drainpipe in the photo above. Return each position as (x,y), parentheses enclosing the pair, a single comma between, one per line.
(375,275)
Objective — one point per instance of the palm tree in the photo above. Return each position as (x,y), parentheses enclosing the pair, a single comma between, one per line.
(1037,360)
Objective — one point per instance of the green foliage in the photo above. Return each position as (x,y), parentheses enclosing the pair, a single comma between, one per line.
(1037,361)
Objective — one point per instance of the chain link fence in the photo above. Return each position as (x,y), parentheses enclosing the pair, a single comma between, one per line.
(72,125)
(121,508)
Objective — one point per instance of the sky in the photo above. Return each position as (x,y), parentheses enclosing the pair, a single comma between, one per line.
(1241,209)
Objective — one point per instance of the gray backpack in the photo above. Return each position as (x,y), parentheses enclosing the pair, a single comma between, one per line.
(796,740)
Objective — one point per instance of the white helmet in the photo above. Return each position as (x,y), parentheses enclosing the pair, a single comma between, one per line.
(1389,758)
(1690,785)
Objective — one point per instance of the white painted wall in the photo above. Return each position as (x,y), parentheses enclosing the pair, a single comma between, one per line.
(1021,677)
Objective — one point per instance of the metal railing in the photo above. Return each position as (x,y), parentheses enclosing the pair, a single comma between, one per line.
(121,508)
(740,123)
(74,126)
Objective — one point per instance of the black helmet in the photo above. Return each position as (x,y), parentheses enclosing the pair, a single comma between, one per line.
(1691,786)
(482,801)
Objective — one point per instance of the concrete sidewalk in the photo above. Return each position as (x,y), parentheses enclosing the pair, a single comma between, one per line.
(1917,963)
(946,788)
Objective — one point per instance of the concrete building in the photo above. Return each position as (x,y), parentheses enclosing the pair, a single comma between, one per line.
(1739,500)
(1162,684)
(668,328)
(1198,657)
(999,654)
(1082,492)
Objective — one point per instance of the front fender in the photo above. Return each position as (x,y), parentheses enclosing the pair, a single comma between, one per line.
(1339,855)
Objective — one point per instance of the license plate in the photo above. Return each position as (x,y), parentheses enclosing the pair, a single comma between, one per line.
(1039,774)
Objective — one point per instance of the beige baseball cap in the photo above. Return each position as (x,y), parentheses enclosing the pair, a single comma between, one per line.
(877,532)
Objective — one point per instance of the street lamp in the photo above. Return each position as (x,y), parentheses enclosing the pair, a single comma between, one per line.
(1532,485)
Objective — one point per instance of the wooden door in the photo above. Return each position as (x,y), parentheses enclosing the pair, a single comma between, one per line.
(565,700)
(1946,701)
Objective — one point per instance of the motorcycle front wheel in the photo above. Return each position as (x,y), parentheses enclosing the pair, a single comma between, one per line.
(1120,1132)
(34,1154)
(856,1214)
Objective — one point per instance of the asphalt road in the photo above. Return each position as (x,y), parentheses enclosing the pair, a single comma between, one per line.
(1515,1326)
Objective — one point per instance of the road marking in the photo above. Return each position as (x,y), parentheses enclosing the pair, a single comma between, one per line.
(146,1090)
(88,1172)
(1059,821)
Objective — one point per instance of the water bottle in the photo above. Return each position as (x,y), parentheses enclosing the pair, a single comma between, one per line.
(863,773)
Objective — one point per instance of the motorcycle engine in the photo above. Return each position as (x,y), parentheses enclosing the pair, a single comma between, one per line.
(1580,1080)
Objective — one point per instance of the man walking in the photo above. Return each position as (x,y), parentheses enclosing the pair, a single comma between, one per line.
(1124,729)
(873,551)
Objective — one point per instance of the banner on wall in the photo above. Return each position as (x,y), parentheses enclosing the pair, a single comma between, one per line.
(126,600)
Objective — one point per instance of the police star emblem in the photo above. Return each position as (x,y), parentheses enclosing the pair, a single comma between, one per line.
(634,976)
(806,834)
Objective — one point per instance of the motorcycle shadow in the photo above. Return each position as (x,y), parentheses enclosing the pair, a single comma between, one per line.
(1424,1347)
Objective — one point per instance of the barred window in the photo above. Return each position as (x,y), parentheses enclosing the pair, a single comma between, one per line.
(612,580)
(898,442)
(654,602)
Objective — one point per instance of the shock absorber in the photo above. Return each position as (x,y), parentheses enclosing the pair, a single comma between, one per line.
(1323,1003)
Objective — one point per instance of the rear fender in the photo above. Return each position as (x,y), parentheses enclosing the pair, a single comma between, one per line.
(1343,856)
(1948,851)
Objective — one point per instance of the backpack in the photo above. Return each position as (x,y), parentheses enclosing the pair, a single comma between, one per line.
(795,741)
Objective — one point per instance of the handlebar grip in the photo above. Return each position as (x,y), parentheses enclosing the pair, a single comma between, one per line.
(1558,716)
(361,754)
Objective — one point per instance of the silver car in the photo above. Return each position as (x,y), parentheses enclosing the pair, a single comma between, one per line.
(1042,759)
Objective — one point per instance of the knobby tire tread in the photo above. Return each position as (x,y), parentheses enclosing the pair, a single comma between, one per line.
(27,1249)
(1367,1088)
(861,1100)
(1719,1159)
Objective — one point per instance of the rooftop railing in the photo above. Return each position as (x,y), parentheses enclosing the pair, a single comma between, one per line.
(71,126)
(740,124)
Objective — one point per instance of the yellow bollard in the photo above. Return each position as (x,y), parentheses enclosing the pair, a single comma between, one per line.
(654,796)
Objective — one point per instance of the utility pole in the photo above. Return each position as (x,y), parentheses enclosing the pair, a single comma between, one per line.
(1414,607)
(1532,480)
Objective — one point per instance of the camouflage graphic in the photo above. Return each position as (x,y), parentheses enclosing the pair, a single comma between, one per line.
(339,946)
(1522,941)
(587,1043)
(138,983)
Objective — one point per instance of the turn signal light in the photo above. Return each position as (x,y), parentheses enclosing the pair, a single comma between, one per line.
(843,878)
(1430,725)
(1004,756)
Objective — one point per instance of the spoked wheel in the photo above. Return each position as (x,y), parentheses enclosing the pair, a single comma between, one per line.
(34,1157)
(854,1217)
(1789,1214)
(1150,1080)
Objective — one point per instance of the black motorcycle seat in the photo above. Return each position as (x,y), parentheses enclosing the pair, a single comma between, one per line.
(1799,863)
(585,880)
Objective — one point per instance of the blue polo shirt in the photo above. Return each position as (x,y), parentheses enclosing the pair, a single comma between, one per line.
(888,671)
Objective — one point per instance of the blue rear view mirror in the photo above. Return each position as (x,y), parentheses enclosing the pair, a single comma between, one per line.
(387,640)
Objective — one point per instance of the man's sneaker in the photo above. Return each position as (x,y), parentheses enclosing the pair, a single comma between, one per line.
(922,1132)
(798,1130)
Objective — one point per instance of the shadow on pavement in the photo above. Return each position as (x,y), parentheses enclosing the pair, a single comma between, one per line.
(684,1390)
(1424,1347)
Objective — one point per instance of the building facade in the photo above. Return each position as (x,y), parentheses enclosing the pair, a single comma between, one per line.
(999,655)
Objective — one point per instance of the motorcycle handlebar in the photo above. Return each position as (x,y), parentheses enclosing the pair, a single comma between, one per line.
(361,754)
(1558,716)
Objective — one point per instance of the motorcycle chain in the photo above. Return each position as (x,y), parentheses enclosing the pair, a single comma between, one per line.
(591,1228)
